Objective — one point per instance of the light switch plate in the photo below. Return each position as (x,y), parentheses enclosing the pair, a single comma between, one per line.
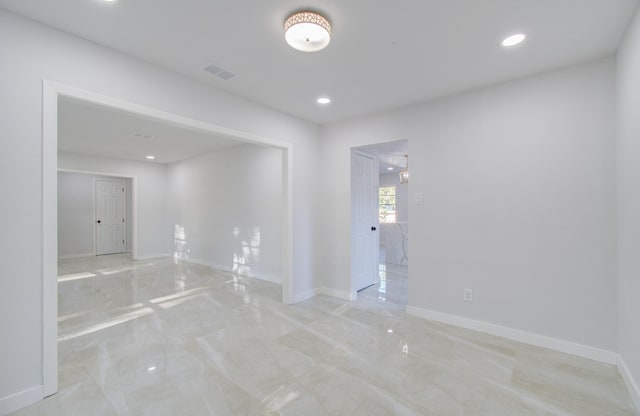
(419,198)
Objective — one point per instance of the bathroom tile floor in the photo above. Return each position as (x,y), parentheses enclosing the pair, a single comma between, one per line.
(156,337)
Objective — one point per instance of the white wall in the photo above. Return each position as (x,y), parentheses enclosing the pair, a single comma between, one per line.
(226,209)
(628,147)
(154,229)
(32,52)
(76,214)
(519,205)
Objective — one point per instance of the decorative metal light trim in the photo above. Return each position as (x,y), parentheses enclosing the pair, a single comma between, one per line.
(404,173)
(307,31)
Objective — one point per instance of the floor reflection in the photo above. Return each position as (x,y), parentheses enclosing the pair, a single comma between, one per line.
(167,337)
(391,287)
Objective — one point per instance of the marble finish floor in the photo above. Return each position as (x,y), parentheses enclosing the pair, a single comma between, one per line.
(156,337)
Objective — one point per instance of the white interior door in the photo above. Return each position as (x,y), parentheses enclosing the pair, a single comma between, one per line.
(364,220)
(110,216)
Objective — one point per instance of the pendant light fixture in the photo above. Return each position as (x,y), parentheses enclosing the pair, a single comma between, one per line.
(404,173)
(307,31)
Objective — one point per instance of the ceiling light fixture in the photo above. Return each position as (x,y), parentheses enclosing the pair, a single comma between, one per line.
(389,168)
(323,100)
(307,31)
(514,40)
(151,157)
(404,173)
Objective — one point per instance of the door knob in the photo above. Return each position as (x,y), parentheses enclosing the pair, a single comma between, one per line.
(373,228)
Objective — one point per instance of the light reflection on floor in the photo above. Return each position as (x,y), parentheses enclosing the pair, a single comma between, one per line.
(160,337)
(391,288)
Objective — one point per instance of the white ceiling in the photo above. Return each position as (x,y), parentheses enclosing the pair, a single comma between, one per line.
(94,130)
(389,154)
(91,129)
(383,54)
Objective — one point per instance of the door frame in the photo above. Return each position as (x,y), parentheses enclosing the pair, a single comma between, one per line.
(353,290)
(51,91)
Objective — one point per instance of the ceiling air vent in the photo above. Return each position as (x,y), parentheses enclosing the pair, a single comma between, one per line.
(222,73)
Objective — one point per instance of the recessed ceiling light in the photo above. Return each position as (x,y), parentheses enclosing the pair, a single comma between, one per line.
(514,40)
(151,157)
(389,168)
(110,1)
(323,100)
(307,31)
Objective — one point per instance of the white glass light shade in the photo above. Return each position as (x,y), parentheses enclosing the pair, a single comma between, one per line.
(307,31)
(514,40)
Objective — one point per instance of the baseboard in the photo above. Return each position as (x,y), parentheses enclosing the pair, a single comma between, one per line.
(337,293)
(301,297)
(323,291)
(543,341)
(19,400)
(152,256)
(76,256)
(269,278)
(629,381)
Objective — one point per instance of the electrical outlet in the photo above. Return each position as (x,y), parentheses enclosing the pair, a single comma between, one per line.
(468,295)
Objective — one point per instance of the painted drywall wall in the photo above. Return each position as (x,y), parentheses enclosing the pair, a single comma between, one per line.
(519,202)
(31,53)
(154,230)
(226,210)
(76,214)
(628,158)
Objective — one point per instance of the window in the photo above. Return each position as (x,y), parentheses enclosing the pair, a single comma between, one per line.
(387,203)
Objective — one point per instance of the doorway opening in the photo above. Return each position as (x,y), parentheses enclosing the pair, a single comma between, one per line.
(380,222)
(52,94)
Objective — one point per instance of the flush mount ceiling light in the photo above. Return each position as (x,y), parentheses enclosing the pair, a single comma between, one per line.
(307,31)
(323,100)
(514,40)
(151,157)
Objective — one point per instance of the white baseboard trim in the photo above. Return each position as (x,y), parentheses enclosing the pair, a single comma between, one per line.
(629,381)
(337,293)
(76,256)
(543,341)
(269,278)
(19,400)
(301,297)
(152,256)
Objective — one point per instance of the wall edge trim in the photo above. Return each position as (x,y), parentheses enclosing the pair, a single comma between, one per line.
(21,399)
(629,381)
(556,344)
(340,294)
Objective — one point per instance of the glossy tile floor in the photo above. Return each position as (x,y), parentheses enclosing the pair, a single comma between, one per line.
(157,338)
